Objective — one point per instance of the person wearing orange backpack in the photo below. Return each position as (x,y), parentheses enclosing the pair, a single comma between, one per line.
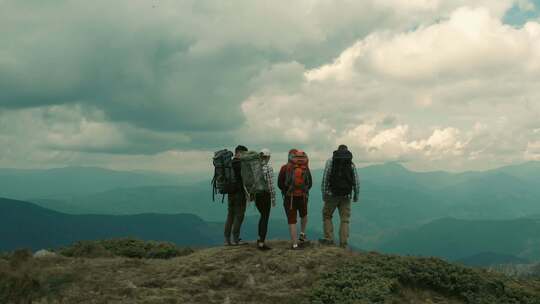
(295,181)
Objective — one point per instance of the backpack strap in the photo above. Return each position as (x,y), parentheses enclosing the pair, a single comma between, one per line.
(213,183)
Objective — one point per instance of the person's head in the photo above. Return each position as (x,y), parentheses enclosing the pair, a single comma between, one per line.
(265,154)
(239,149)
(291,153)
(342,148)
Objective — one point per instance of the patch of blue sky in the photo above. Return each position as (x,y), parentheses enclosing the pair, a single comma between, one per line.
(520,14)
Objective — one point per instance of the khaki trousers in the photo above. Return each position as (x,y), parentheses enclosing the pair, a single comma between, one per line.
(343,204)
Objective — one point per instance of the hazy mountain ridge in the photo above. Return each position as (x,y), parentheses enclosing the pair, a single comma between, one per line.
(463,195)
(29,226)
(26,225)
(458,239)
(32,183)
(24,184)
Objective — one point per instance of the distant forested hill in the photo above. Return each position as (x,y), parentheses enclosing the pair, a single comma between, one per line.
(25,225)
(461,239)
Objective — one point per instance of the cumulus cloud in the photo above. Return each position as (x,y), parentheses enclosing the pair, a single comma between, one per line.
(460,89)
(533,150)
(470,44)
(72,128)
(378,145)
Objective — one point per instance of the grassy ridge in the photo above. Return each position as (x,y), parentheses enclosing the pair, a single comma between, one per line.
(245,275)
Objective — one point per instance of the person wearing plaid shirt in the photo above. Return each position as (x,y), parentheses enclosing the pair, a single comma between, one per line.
(265,200)
(340,202)
(326,191)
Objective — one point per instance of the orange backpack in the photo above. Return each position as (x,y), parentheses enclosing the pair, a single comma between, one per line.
(297,174)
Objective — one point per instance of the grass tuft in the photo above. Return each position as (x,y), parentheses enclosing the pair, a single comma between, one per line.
(125,247)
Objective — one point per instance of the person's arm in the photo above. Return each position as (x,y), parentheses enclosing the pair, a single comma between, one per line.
(310,179)
(281,179)
(270,181)
(324,183)
(356,184)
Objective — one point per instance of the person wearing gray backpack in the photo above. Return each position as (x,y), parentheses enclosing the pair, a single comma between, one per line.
(266,199)
(236,202)
(257,178)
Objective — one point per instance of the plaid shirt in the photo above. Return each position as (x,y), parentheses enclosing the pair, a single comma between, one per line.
(325,186)
(268,172)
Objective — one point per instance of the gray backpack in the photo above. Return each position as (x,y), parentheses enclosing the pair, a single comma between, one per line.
(224,181)
(252,173)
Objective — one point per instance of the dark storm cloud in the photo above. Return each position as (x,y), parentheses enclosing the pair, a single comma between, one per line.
(145,80)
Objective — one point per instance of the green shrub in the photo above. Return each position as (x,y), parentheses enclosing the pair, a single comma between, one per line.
(87,249)
(378,279)
(131,248)
(166,251)
(128,247)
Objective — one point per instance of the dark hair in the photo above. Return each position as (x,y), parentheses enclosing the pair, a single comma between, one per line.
(342,148)
(240,148)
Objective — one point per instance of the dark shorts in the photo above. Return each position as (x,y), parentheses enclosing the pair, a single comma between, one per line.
(298,205)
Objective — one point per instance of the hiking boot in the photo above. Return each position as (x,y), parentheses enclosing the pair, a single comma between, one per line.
(295,247)
(326,242)
(262,246)
(239,242)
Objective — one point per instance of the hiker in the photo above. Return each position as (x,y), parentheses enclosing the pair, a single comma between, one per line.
(340,184)
(236,202)
(266,199)
(295,181)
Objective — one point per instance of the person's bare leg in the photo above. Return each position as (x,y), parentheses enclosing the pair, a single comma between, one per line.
(292,231)
(303,223)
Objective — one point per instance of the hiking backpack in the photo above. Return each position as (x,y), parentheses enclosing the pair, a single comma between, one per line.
(341,176)
(252,173)
(224,181)
(296,180)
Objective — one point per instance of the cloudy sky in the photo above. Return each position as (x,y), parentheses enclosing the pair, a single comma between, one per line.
(160,84)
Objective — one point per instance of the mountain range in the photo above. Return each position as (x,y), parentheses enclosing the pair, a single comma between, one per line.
(395,203)
(26,225)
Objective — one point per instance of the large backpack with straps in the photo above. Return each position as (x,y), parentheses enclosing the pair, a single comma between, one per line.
(296,180)
(342,175)
(252,173)
(224,181)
